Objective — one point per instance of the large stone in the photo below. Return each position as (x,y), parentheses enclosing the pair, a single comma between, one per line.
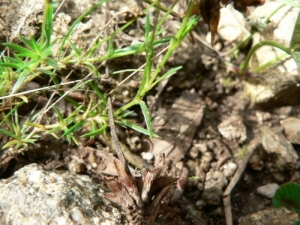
(269,217)
(275,143)
(291,128)
(35,196)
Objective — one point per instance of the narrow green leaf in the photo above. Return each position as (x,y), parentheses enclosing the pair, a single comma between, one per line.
(58,113)
(133,49)
(29,44)
(110,50)
(76,23)
(74,127)
(127,113)
(37,125)
(55,129)
(295,42)
(22,51)
(53,63)
(98,92)
(31,65)
(147,118)
(75,49)
(11,65)
(296,57)
(20,82)
(46,52)
(8,133)
(147,27)
(31,141)
(95,132)
(75,140)
(50,73)
(48,23)
(35,45)
(166,75)
(16,60)
(160,32)
(135,127)
(10,143)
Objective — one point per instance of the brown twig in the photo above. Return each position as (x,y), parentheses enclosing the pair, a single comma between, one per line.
(226,195)
(114,134)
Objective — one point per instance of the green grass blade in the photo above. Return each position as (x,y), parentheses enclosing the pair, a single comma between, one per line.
(11,65)
(75,49)
(20,82)
(58,113)
(52,63)
(98,92)
(35,45)
(22,51)
(167,74)
(30,45)
(11,143)
(95,132)
(147,26)
(133,126)
(147,118)
(8,133)
(74,127)
(126,114)
(295,42)
(76,23)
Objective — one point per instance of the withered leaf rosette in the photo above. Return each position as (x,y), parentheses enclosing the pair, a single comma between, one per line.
(141,197)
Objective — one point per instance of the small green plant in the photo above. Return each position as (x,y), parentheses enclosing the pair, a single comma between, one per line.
(288,196)
(35,58)
(293,49)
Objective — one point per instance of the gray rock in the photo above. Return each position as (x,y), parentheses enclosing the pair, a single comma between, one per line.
(215,179)
(274,142)
(268,190)
(270,216)
(229,169)
(212,196)
(291,128)
(233,128)
(35,196)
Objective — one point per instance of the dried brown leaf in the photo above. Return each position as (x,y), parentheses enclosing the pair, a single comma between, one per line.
(128,182)
(155,205)
(149,176)
(210,11)
(241,5)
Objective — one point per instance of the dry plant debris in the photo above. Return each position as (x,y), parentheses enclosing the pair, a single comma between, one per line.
(141,197)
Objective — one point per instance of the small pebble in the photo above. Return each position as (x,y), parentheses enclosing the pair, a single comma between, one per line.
(148,156)
(268,190)
(200,204)
(194,152)
(229,169)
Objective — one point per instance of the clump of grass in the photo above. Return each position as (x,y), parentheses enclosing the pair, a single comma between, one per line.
(35,58)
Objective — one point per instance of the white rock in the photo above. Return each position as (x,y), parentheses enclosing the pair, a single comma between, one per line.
(268,190)
(229,169)
(147,156)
